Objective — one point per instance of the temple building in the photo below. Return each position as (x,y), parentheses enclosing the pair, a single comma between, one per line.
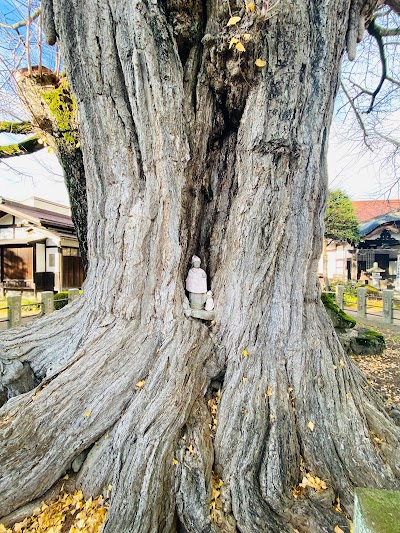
(379,223)
(38,247)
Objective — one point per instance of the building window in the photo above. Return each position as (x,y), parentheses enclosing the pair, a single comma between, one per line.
(52,260)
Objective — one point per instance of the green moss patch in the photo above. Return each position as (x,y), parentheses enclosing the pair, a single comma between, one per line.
(62,106)
(377,511)
(339,318)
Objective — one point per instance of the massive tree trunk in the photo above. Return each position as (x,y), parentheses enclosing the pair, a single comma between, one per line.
(190,148)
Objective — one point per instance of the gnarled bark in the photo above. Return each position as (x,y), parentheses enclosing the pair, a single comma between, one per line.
(188,147)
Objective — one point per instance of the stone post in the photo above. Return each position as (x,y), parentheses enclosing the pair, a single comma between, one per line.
(14,310)
(387,308)
(339,296)
(48,302)
(361,302)
(376,510)
(73,294)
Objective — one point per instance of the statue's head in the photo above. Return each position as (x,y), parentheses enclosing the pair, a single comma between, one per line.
(196,261)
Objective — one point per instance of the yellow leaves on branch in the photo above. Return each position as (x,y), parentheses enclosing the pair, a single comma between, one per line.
(233,21)
(80,515)
(250,7)
(239,47)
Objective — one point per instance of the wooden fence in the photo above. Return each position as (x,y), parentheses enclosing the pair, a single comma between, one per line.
(14,306)
(380,308)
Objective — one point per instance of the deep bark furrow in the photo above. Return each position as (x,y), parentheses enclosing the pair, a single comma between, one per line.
(236,174)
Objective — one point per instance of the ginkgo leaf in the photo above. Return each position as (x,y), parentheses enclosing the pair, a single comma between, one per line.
(347,396)
(338,530)
(245,353)
(247,37)
(88,413)
(250,7)
(233,20)
(239,46)
(66,476)
(233,41)
(271,417)
(190,448)
(109,487)
(341,362)
(140,384)
(311,425)
(175,461)
(244,379)
(269,391)
(106,436)
(260,63)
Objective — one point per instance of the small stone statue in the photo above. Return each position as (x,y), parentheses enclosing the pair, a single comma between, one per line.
(209,302)
(196,285)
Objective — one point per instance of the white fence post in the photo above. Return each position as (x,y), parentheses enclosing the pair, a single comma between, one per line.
(73,294)
(14,310)
(387,307)
(48,302)
(339,296)
(361,302)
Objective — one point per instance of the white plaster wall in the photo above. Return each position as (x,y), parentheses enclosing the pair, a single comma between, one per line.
(40,257)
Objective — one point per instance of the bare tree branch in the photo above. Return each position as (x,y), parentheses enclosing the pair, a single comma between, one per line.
(22,23)
(372,30)
(393,4)
(357,115)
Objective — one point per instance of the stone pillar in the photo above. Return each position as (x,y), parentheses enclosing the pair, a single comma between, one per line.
(14,310)
(387,308)
(361,302)
(73,294)
(339,296)
(48,302)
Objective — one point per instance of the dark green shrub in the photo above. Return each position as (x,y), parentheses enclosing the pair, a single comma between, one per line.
(63,296)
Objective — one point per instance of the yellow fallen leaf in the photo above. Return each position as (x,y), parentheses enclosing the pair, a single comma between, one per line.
(233,20)
(338,530)
(245,353)
(190,448)
(233,41)
(334,367)
(347,396)
(88,413)
(240,48)
(311,425)
(247,37)
(271,417)
(140,384)
(106,436)
(244,379)
(260,63)
(175,461)
(109,487)
(341,362)
(250,7)
(66,476)
(269,391)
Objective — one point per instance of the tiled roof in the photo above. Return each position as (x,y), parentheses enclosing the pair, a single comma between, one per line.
(43,216)
(368,209)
